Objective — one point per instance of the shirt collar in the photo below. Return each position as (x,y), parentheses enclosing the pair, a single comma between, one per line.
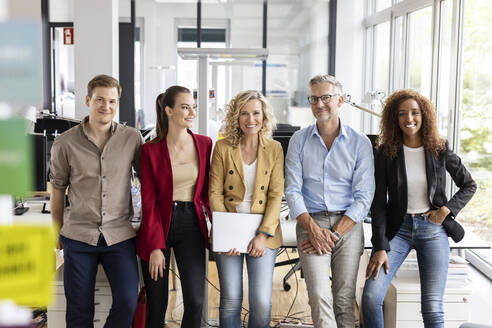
(85,123)
(343,130)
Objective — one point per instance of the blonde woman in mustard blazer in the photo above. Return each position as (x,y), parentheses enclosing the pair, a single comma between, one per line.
(247,176)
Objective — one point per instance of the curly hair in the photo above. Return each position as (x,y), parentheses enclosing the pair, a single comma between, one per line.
(390,139)
(232,131)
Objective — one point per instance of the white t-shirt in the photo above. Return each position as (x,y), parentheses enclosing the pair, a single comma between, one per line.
(249,177)
(418,195)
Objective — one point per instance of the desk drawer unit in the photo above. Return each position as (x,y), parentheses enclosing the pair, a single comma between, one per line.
(402,307)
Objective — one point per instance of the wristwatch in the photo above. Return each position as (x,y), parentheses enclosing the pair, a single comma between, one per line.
(335,233)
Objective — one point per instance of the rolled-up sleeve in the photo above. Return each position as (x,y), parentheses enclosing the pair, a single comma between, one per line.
(59,167)
(293,177)
(363,184)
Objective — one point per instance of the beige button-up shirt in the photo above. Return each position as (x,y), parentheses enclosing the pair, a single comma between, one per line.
(98,182)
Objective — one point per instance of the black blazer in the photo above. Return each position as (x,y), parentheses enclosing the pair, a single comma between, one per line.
(390,199)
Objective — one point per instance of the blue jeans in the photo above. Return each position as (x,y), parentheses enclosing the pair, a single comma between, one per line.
(260,277)
(431,243)
(80,267)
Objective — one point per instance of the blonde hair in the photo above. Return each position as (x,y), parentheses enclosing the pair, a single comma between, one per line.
(232,131)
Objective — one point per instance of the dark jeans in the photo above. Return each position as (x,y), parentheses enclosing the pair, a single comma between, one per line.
(80,267)
(187,241)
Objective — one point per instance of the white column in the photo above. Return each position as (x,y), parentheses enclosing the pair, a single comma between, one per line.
(95,45)
(349,64)
(203,95)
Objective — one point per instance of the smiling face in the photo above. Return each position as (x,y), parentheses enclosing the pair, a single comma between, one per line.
(251,117)
(410,119)
(330,110)
(103,104)
(184,111)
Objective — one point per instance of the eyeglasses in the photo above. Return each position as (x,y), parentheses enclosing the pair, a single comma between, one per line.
(313,100)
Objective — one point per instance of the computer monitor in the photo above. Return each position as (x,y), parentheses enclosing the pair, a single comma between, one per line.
(283,133)
(41,164)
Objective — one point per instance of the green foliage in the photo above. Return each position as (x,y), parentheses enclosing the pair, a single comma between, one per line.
(477,80)
(476,120)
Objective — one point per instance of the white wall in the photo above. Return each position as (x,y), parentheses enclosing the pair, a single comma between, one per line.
(62,10)
(349,62)
(96,48)
(159,47)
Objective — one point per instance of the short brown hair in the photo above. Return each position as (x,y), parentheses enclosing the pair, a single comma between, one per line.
(104,81)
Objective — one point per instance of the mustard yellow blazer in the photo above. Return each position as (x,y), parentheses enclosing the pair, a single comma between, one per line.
(227,184)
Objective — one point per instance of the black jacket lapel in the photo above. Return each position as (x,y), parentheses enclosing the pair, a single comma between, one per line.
(430,170)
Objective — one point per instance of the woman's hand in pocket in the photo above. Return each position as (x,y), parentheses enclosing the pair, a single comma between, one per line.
(438,216)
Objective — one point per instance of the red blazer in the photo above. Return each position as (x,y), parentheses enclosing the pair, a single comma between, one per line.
(157,193)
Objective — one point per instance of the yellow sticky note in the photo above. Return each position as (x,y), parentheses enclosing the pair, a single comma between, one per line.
(27,264)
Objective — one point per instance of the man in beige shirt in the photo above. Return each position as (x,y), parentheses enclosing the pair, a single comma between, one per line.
(94,161)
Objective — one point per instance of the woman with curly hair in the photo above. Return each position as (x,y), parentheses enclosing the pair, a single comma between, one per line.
(247,176)
(410,209)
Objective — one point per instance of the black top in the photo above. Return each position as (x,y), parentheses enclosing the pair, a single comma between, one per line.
(390,199)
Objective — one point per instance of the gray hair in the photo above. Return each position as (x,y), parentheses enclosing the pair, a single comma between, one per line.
(325,78)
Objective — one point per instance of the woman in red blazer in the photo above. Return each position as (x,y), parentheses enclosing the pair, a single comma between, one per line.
(174,178)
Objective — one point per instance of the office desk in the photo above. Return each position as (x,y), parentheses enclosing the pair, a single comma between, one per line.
(33,216)
(470,241)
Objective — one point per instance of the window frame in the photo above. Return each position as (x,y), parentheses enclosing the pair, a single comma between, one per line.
(403,9)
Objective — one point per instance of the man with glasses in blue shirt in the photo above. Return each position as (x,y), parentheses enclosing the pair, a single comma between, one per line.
(330,185)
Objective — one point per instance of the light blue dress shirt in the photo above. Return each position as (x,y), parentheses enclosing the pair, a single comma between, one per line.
(341,179)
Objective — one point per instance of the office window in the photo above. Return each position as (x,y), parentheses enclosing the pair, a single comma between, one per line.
(476,117)
(382,57)
(399,54)
(382,4)
(420,50)
(427,33)
(447,66)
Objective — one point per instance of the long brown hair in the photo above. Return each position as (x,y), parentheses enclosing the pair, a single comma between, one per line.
(390,139)
(167,98)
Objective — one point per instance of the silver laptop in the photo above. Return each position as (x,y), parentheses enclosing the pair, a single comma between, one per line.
(234,230)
